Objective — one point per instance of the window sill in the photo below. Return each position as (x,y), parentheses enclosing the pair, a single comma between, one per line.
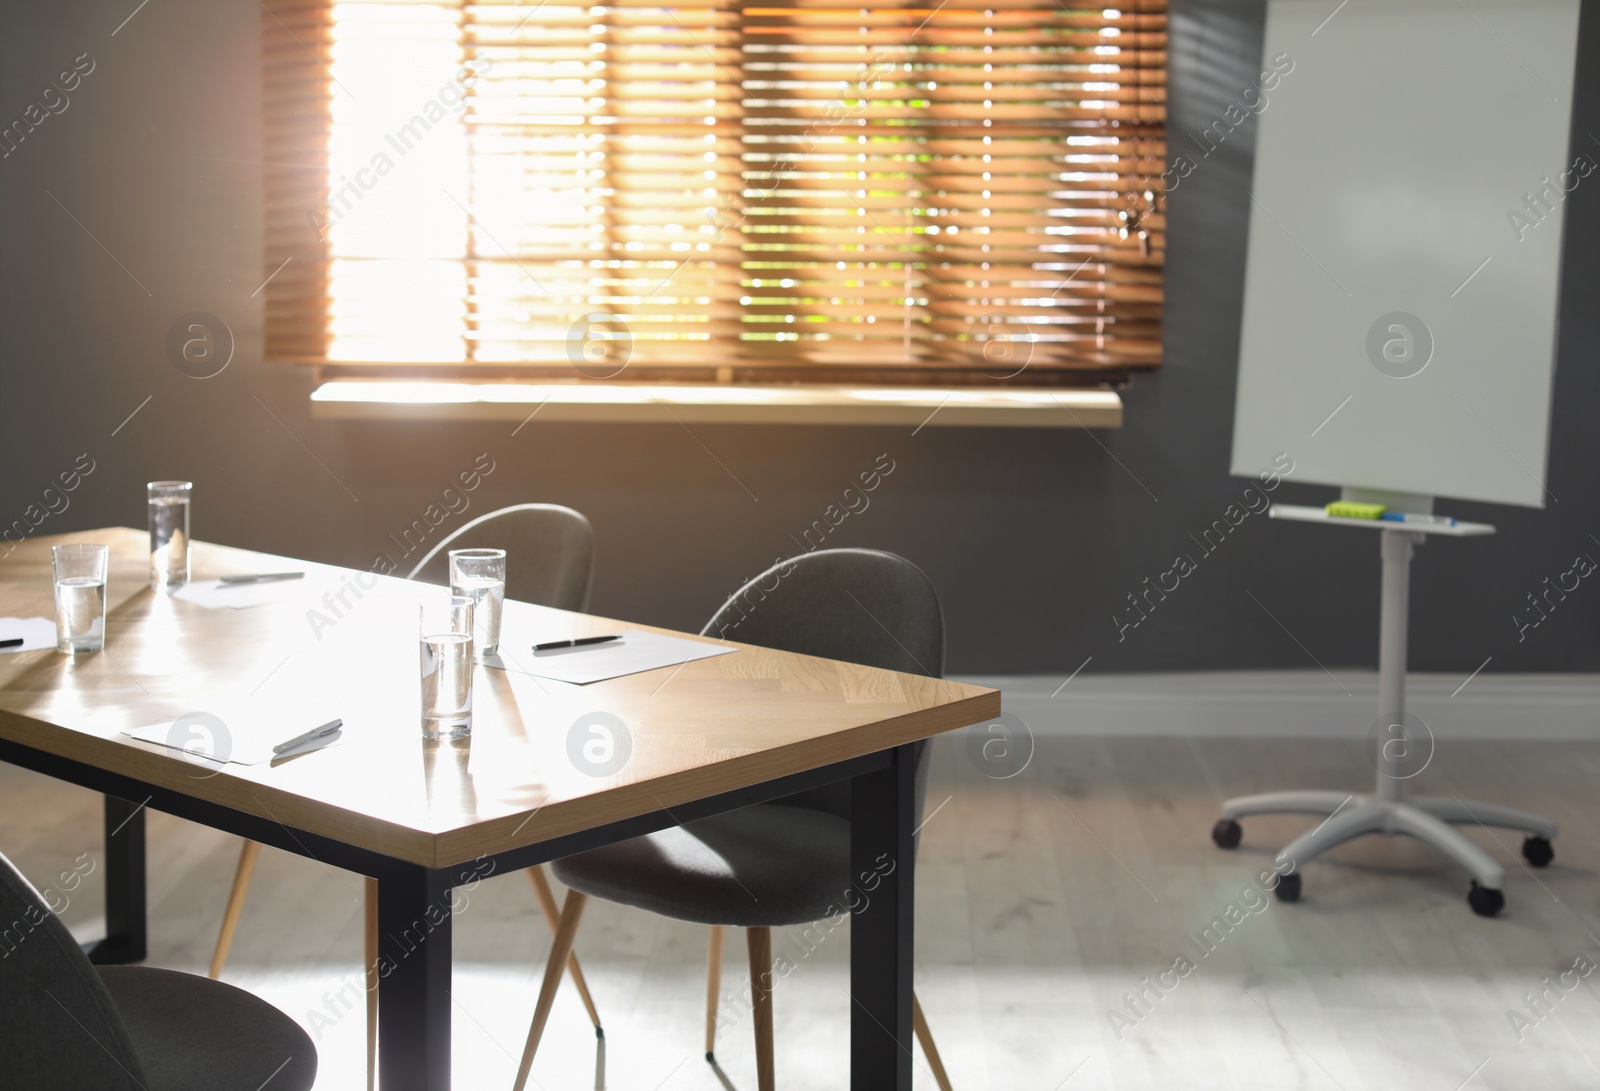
(1066,407)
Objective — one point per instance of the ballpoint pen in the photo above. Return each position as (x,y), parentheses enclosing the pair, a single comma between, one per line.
(264,577)
(315,733)
(581,642)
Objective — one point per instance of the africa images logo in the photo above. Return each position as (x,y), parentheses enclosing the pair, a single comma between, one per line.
(1399,344)
(204,736)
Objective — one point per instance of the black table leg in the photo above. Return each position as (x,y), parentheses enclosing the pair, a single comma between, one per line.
(413,979)
(125,886)
(882,863)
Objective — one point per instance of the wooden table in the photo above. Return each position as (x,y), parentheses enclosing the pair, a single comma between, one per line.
(422,818)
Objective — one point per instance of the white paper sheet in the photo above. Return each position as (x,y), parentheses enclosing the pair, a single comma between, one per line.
(233,736)
(216,595)
(37,633)
(634,653)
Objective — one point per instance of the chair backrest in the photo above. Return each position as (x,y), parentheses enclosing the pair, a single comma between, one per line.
(856,605)
(58,1024)
(549,553)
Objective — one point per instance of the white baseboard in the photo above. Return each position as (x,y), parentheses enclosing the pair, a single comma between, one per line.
(1301,704)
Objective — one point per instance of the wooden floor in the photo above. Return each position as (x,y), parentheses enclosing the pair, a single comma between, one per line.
(1043,901)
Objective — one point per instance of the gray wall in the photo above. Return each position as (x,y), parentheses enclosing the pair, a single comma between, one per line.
(1033,537)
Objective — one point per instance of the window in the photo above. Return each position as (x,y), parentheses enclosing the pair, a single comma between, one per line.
(767,191)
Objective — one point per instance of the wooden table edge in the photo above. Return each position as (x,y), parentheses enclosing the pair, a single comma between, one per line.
(634,800)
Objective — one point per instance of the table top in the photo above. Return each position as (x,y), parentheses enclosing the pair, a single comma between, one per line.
(706,727)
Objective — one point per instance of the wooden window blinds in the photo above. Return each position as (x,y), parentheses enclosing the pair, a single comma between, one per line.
(772,190)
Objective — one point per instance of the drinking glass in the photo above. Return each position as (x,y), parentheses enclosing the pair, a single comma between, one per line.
(169,533)
(80,574)
(444,630)
(480,575)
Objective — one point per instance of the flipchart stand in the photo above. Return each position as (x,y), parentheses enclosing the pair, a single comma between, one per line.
(1387,810)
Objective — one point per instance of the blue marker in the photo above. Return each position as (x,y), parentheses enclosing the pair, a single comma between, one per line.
(1414,517)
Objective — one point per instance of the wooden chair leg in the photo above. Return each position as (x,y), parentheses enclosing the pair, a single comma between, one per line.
(372,980)
(552,915)
(713,983)
(761,995)
(230,917)
(925,1036)
(560,948)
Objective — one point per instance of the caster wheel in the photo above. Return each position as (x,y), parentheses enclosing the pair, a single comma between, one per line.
(1537,851)
(1288,888)
(1485,902)
(1226,834)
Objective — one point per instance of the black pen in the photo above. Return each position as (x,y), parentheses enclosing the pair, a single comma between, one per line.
(14,642)
(265,577)
(315,733)
(581,642)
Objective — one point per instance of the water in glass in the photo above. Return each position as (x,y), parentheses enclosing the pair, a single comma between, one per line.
(80,613)
(446,685)
(488,595)
(169,541)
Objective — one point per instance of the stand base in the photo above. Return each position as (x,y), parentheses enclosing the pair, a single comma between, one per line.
(1347,817)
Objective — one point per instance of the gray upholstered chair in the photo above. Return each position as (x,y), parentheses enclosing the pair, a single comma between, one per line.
(65,1024)
(782,863)
(549,562)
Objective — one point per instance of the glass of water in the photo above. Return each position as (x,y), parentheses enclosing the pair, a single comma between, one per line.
(80,573)
(445,635)
(480,575)
(169,533)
